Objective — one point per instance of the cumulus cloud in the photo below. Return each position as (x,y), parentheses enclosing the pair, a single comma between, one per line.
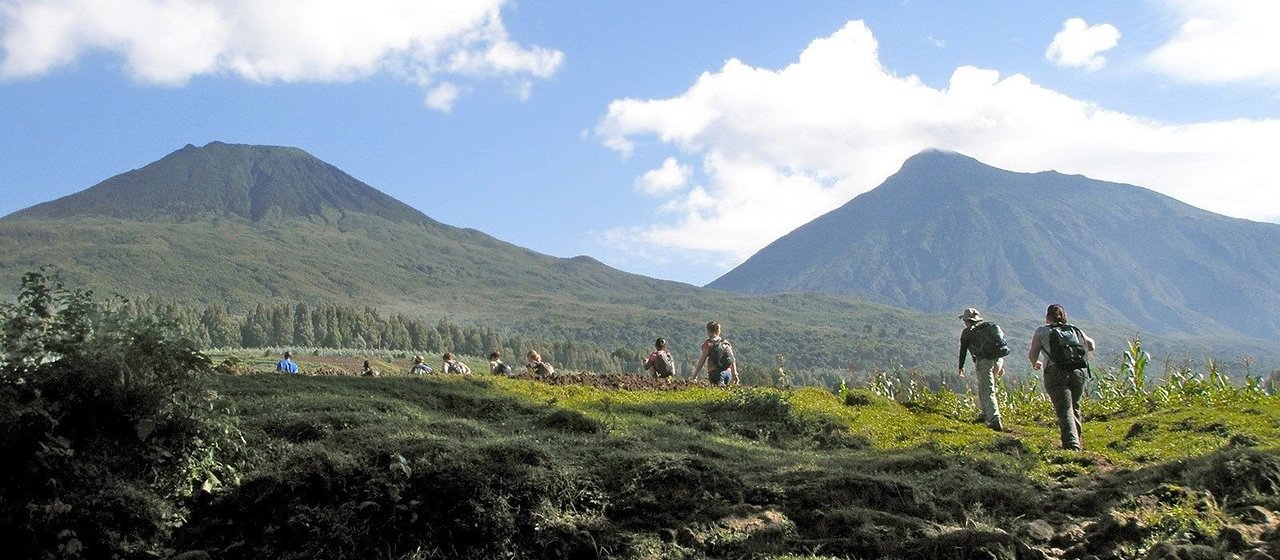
(1221,42)
(1078,44)
(169,42)
(780,147)
(671,176)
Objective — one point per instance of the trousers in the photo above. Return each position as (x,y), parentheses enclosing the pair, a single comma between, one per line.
(1065,387)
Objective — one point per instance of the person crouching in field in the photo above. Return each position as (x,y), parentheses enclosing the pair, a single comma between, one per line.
(1066,367)
(717,356)
(287,365)
(367,371)
(985,341)
(660,361)
(496,366)
(454,365)
(420,366)
(536,366)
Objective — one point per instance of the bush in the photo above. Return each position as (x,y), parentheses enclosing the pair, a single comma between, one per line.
(105,429)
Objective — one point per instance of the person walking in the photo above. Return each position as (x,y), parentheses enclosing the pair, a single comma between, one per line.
(1065,349)
(717,356)
(985,341)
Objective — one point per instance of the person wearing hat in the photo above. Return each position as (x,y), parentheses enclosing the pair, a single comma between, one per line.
(420,366)
(985,341)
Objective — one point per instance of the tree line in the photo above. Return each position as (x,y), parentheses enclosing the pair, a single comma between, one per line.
(334,326)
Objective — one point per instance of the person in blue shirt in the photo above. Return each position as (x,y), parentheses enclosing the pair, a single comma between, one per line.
(287,365)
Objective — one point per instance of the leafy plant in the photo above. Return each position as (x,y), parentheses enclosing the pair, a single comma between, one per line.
(106,428)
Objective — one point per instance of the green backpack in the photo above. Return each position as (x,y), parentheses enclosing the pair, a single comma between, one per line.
(988,341)
(720,354)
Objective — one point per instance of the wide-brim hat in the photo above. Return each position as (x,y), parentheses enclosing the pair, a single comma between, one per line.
(970,314)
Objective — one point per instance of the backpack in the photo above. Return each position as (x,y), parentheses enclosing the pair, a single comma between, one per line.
(720,354)
(988,342)
(1066,347)
(502,369)
(543,369)
(665,365)
(459,367)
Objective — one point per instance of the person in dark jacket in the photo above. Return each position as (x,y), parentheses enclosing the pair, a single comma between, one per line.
(977,339)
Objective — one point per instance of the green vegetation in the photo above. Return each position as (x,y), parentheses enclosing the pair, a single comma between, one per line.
(480,466)
(107,427)
(120,440)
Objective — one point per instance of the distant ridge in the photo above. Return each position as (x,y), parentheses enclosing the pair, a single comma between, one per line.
(228,180)
(241,225)
(948,232)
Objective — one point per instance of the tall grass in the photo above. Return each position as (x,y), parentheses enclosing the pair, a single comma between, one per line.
(1126,390)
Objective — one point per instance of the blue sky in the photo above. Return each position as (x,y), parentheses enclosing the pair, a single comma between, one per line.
(668,138)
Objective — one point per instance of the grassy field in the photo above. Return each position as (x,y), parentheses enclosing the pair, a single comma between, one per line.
(481,466)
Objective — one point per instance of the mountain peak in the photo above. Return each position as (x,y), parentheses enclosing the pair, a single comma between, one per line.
(948,232)
(229,180)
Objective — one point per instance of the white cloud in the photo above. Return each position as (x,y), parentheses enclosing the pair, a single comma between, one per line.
(781,147)
(664,180)
(168,42)
(1078,44)
(443,96)
(1221,42)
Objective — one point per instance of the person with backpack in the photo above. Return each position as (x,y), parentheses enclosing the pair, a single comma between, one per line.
(717,356)
(496,366)
(1065,349)
(535,366)
(660,361)
(420,366)
(985,341)
(453,365)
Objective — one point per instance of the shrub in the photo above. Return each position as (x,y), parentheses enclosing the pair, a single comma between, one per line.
(105,429)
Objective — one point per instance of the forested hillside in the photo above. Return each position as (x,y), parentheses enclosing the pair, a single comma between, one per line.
(948,232)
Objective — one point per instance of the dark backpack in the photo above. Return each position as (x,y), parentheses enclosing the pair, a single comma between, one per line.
(1066,347)
(665,365)
(987,342)
(502,369)
(459,368)
(720,354)
(543,369)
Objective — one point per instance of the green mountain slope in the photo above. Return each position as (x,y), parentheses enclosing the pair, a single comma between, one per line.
(947,232)
(255,183)
(239,225)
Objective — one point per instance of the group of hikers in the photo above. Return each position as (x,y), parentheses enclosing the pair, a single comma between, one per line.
(1058,348)
(451,364)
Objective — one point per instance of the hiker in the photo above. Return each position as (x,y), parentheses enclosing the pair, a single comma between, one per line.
(287,365)
(367,371)
(717,355)
(985,341)
(1065,349)
(660,361)
(536,366)
(420,366)
(496,366)
(453,365)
